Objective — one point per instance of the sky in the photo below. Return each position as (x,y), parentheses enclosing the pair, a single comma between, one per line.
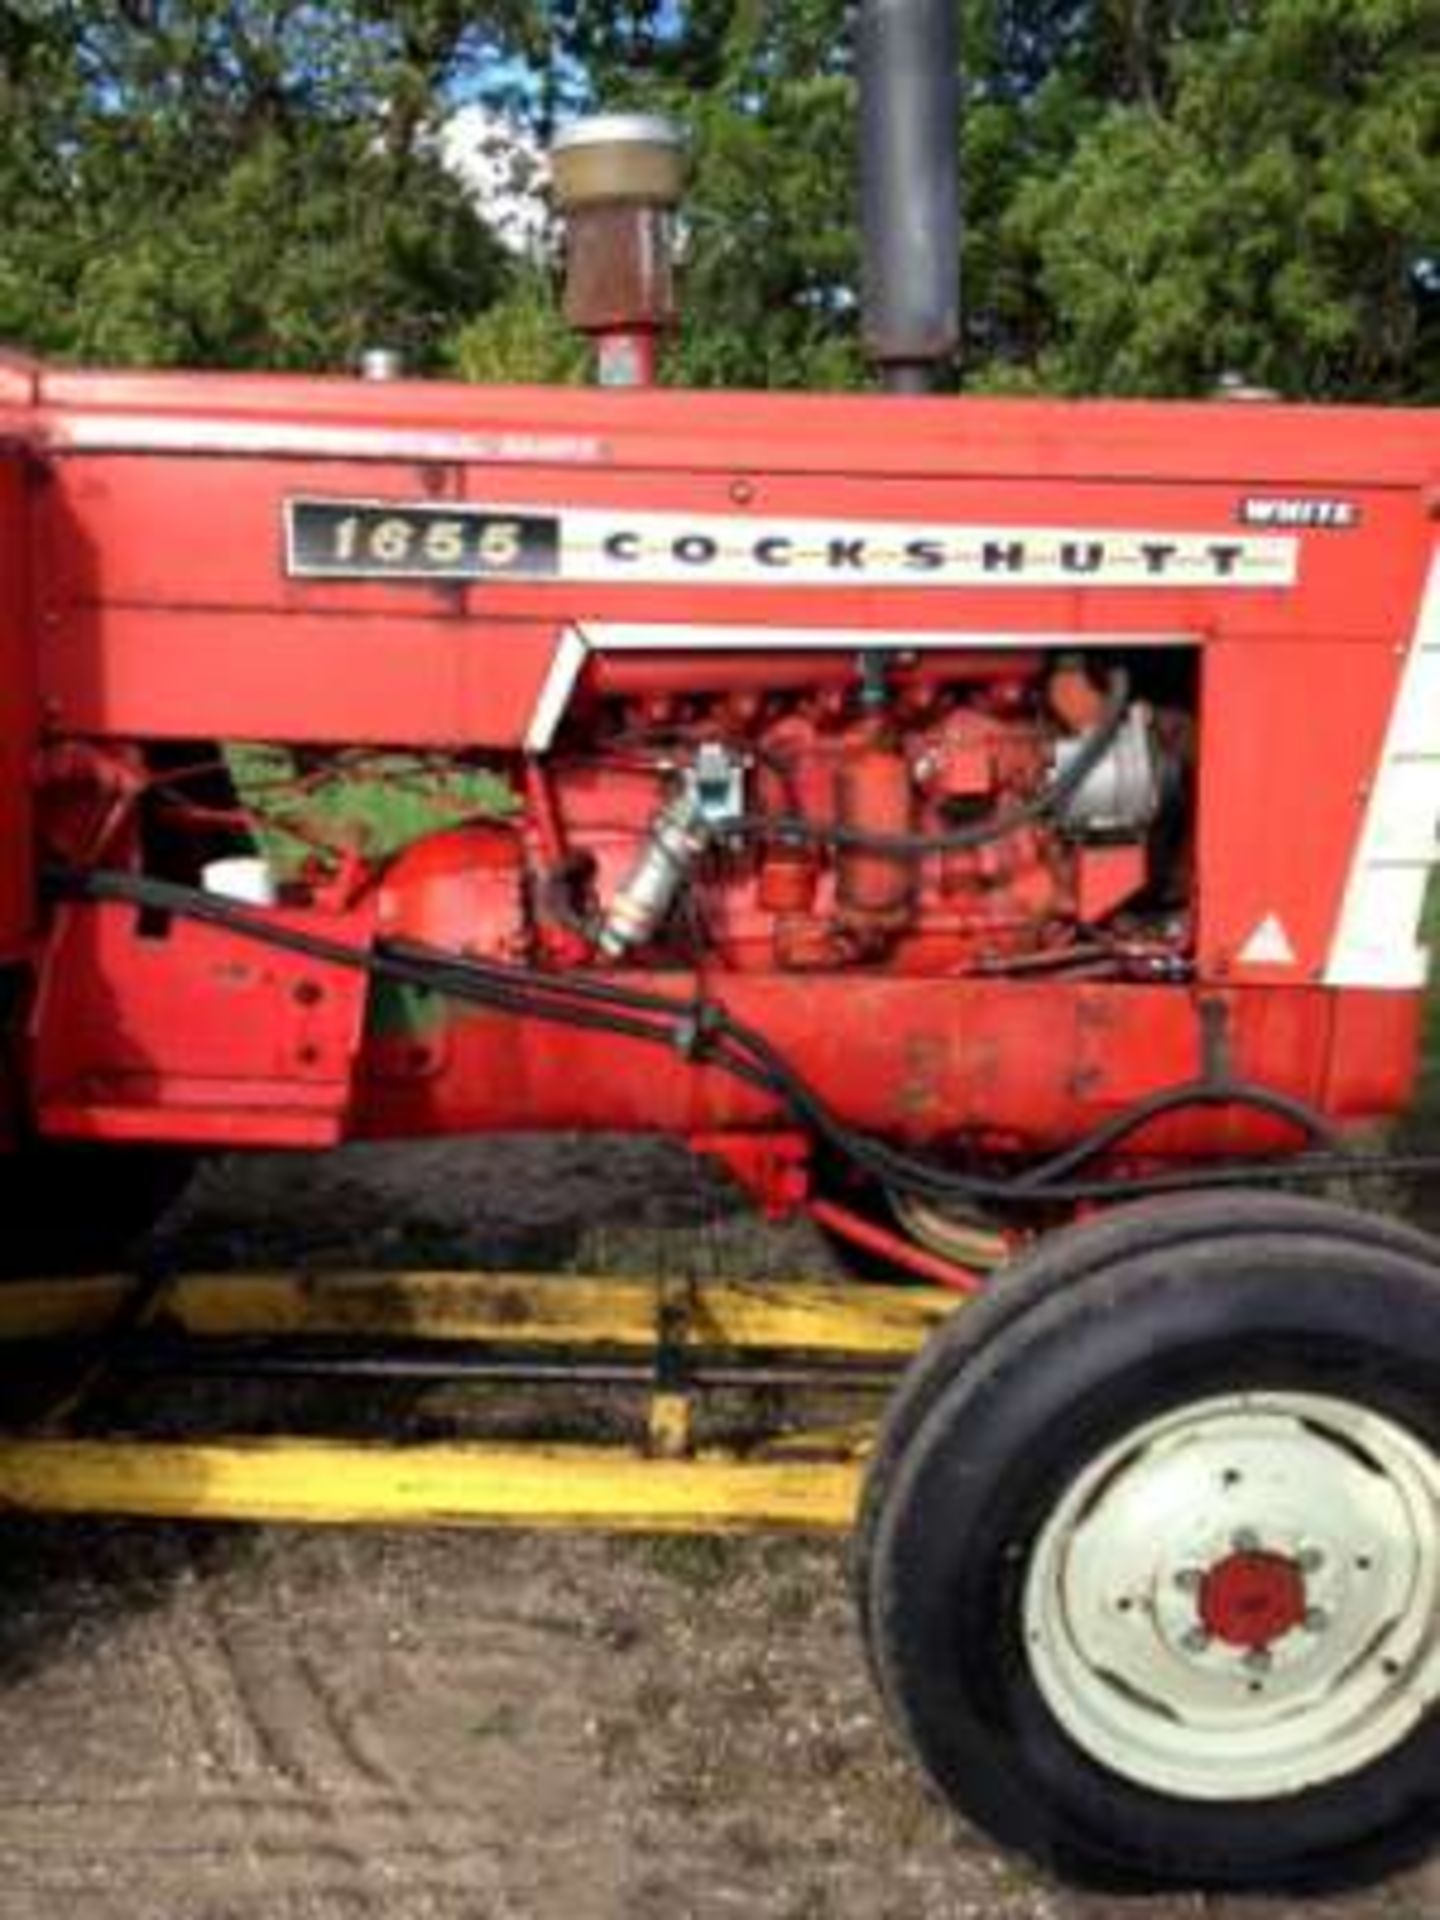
(501,162)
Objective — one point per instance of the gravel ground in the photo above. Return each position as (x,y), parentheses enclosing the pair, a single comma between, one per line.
(230,1724)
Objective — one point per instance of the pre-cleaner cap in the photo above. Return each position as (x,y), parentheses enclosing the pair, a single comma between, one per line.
(618,157)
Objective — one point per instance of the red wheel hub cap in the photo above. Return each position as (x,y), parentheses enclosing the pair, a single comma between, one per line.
(1252,1599)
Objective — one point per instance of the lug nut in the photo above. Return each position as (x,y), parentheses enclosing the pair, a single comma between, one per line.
(1197,1640)
(1317,1620)
(1259,1660)
(1245,1541)
(1189,1579)
(1311,1560)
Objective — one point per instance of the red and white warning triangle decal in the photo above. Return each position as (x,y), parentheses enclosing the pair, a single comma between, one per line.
(1269,945)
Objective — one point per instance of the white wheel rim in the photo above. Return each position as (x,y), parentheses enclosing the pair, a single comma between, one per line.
(1241,1599)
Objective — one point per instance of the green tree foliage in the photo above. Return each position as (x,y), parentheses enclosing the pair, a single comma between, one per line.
(1157,191)
(1270,219)
(236,182)
(521,338)
(772,253)
(770,247)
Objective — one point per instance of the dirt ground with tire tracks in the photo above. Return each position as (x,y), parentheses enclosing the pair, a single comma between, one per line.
(246,1724)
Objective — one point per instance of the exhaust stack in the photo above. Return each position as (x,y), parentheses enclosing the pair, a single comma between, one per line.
(909,188)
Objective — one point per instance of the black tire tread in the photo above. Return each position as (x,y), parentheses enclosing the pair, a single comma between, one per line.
(1063,1259)
(1067,1340)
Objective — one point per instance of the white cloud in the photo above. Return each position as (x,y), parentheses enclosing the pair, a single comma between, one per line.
(502,165)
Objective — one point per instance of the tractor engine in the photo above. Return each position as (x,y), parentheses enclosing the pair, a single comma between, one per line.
(996,813)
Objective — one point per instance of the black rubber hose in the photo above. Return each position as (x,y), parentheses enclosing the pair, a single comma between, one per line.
(1193,1093)
(710,1036)
(1047,1182)
(507,995)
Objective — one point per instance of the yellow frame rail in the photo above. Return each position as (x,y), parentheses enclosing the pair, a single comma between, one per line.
(321,1482)
(801,1480)
(514,1309)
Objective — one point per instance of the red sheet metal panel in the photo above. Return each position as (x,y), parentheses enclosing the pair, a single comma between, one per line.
(149,1028)
(18,710)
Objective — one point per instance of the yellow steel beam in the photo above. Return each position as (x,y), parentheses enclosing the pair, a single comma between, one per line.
(518,1309)
(314,1482)
(800,1481)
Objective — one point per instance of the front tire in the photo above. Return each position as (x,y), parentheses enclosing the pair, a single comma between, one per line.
(1153,1585)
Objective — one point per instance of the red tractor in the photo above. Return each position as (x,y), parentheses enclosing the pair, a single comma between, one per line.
(998,829)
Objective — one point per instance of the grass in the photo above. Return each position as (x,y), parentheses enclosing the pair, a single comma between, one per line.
(697,1562)
(501,1723)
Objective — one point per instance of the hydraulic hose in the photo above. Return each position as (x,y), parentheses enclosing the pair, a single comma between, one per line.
(707,1034)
